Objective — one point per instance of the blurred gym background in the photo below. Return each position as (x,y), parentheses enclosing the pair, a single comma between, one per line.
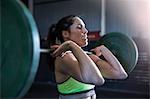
(130,17)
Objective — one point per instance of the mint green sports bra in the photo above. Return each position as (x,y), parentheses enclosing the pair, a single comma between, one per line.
(73,86)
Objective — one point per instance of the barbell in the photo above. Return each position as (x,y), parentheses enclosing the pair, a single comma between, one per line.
(21,50)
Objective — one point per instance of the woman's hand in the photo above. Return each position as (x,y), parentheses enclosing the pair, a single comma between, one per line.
(54,47)
(97,50)
(111,68)
(61,48)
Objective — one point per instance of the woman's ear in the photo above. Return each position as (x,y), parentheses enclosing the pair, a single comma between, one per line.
(65,34)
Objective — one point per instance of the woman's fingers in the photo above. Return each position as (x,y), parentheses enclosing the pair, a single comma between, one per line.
(57,51)
(60,49)
(54,47)
(96,51)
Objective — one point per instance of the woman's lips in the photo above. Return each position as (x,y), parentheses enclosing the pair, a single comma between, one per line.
(84,37)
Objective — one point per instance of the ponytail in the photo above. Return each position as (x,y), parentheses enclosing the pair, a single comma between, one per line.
(51,38)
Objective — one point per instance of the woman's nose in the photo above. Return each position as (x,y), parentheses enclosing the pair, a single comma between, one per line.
(85,31)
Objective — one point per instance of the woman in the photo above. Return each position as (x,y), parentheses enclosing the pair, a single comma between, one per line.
(77,72)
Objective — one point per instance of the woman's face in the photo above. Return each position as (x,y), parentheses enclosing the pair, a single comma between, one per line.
(78,32)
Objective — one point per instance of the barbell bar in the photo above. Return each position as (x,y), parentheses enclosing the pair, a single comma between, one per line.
(46,50)
(21,49)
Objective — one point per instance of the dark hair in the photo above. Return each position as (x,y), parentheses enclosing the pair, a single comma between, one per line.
(55,31)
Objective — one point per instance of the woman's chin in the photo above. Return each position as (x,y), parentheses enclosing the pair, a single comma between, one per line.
(85,44)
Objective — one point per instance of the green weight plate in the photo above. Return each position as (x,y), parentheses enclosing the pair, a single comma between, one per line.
(20,49)
(123,47)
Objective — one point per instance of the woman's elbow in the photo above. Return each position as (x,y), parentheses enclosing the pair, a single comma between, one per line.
(122,75)
(99,82)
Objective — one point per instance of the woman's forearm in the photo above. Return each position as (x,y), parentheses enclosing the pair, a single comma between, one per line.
(112,60)
(89,71)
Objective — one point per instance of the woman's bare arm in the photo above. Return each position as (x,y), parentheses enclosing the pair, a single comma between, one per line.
(111,68)
(79,64)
